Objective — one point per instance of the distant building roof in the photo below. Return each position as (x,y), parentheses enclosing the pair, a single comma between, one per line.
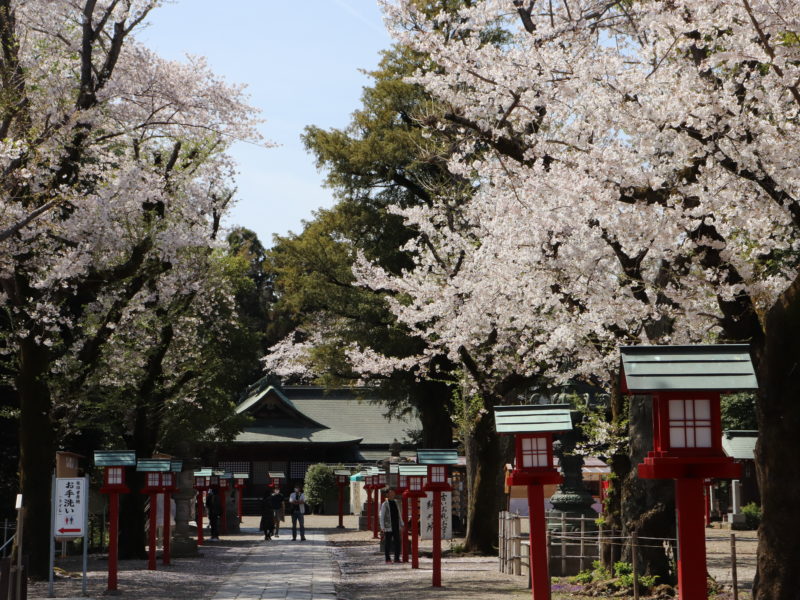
(740,444)
(303,414)
(718,367)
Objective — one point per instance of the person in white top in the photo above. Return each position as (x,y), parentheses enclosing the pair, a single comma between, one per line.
(391,522)
(297,501)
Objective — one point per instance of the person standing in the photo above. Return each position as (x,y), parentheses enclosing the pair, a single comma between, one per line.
(276,501)
(297,501)
(267,515)
(214,507)
(391,524)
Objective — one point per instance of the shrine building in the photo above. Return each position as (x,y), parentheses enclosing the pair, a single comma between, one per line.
(294,427)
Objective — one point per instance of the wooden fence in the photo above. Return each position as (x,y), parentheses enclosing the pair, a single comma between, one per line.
(573,543)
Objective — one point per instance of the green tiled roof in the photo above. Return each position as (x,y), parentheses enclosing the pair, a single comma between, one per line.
(535,418)
(718,367)
(341,410)
(413,470)
(300,435)
(437,457)
(114,458)
(740,444)
(153,465)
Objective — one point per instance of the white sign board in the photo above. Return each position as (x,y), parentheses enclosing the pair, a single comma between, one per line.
(70,507)
(426,516)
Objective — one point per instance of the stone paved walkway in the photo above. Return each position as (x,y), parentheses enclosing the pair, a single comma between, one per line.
(285,569)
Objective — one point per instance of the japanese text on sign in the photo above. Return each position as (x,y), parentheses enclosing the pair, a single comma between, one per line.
(426,516)
(71,494)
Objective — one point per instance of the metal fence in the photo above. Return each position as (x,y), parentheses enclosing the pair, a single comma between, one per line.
(573,543)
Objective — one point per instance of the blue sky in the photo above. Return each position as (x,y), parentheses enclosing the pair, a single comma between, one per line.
(300,61)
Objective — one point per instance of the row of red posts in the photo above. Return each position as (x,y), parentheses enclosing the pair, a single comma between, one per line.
(160,478)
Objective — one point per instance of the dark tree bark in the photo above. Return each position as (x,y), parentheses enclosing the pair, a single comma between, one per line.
(485,462)
(434,414)
(777,451)
(36,453)
(648,505)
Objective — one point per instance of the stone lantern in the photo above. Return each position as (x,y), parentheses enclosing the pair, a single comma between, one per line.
(438,462)
(685,383)
(114,463)
(533,428)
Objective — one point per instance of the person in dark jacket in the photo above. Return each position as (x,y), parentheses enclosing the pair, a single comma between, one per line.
(276,500)
(267,515)
(391,524)
(214,507)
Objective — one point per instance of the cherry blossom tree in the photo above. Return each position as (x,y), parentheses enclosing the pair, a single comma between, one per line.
(638,186)
(114,185)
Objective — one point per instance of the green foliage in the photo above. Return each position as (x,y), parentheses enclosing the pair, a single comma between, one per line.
(739,411)
(752,515)
(621,580)
(320,480)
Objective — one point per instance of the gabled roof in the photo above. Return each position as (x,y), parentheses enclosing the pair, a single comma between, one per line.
(536,418)
(252,404)
(314,414)
(740,444)
(352,412)
(717,367)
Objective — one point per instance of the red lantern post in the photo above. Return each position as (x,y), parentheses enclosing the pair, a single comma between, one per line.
(276,477)
(368,487)
(114,463)
(685,383)
(533,428)
(224,486)
(342,479)
(169,483)
(402,487)
(202,482)
(238,483)
(415,482)
(437,462)
(153,470)
(380,487)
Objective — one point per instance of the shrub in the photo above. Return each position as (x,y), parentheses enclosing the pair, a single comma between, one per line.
(319,480)
(752,515)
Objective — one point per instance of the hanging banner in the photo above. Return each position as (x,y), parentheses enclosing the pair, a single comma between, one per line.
(426,516)
(71,500)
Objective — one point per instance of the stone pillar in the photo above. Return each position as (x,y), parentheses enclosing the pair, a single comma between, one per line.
(736,496)
(183,543)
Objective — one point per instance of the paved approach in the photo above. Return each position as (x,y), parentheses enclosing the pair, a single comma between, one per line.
(284,569)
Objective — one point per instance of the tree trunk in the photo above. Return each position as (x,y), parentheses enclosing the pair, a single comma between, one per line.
(36,452)
(777,451)
(432,405)
(648,505)
(487,486)
(132,536)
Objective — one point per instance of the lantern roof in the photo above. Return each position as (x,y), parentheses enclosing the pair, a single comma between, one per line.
(536,418)
(740,444)
(413,470)
(342,472)
(176,466)
(153,465)
(114,458)
(276,475)
(437,457)
(713,367)
(241,475)
(204,472)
